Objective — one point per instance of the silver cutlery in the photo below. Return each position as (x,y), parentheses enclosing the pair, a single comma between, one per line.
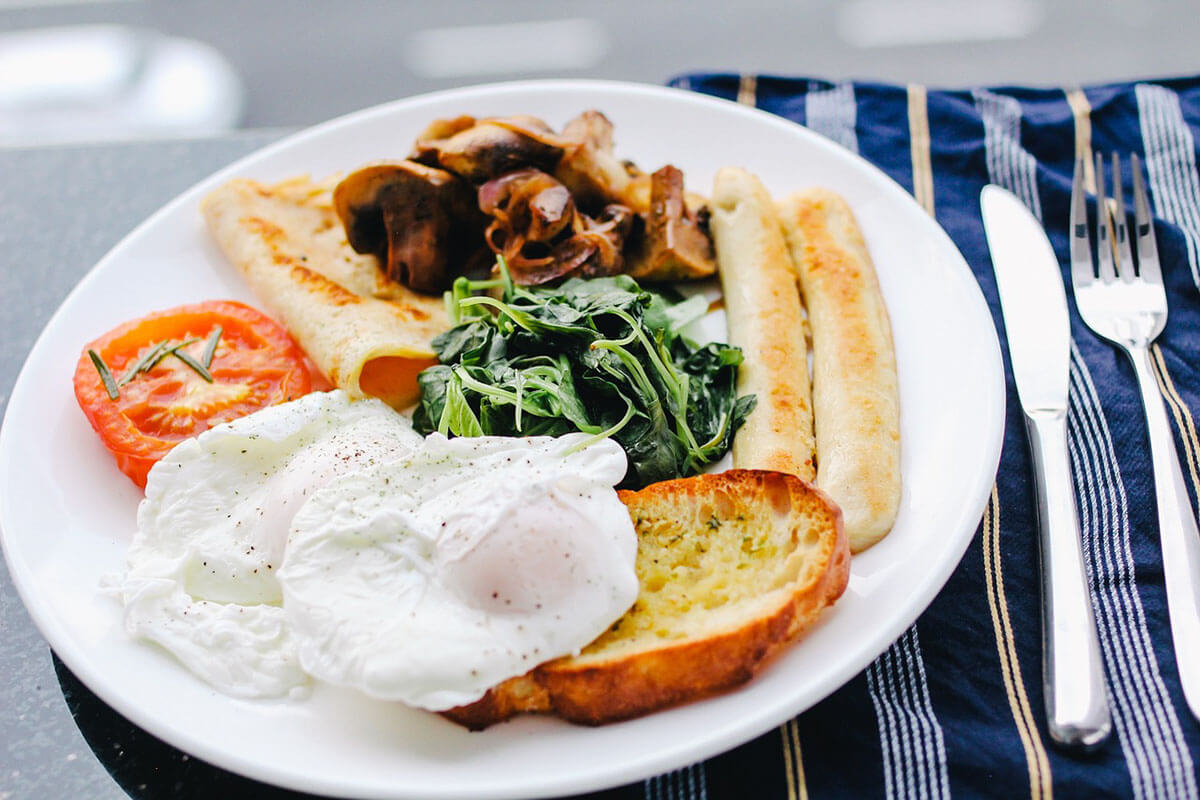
(1034,302)
(1122,299)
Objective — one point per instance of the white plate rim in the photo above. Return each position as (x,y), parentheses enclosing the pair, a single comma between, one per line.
(924,589)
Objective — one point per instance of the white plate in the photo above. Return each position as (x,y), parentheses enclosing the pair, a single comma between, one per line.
(67,513)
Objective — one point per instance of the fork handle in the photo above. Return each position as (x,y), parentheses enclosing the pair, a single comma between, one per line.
(1178,535)
(1072,675)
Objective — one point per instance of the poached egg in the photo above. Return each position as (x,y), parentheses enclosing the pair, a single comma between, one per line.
(434,577)
(323,538)
(201,570)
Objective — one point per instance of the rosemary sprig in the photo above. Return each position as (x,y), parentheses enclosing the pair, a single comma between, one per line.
(199,368)
(143,363)
(210,346)
(170,351)
(152,358)
(106,376)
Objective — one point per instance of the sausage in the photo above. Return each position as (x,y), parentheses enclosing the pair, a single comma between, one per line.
(856,400)
(765,319)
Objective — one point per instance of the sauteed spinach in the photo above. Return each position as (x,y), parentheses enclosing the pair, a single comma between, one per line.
(603,356)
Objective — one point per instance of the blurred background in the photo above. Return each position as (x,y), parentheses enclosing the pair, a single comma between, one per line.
(80,70)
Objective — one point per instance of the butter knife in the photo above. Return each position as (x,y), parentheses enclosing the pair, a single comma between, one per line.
(1034,304)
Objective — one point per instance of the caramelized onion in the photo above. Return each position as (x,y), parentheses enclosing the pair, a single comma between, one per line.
(543,236)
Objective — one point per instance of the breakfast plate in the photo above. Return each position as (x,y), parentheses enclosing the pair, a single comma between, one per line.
(67,514)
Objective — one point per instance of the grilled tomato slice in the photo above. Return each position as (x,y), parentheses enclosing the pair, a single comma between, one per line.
(149,384)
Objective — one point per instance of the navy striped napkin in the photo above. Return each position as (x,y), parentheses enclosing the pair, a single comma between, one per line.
(955,707)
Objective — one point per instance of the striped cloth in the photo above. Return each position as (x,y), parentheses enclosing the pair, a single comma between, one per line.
(954,706)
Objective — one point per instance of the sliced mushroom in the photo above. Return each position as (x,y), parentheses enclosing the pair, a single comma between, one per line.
(491,147)
(637,195)
(676,245)
(421,222)
(592,128)
(426,148)
(527,124)
(588,166)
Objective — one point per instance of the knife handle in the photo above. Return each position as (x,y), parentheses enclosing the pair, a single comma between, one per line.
(1072,674)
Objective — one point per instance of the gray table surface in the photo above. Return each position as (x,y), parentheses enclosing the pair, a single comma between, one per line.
(61,209)
(306,61)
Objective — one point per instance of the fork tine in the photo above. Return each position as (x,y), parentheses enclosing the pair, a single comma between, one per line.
(1147,247)
(1116,207)
(1082,271)
(1104,252)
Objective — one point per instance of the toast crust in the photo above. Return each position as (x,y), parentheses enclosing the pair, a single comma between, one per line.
(600,686)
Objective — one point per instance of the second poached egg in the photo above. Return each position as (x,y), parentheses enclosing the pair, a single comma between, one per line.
(434,577)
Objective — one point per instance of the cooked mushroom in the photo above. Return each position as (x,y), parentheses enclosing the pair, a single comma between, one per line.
(421,222)
(558,205)
(588,166)
(425,149)
(676,246)
(591,128)
(491,147)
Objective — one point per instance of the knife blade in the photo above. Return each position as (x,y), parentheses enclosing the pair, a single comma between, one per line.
(1033,301)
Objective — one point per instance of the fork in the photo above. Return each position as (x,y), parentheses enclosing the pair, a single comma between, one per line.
(1122,299)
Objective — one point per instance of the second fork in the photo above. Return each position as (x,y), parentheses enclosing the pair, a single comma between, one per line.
(1124,301)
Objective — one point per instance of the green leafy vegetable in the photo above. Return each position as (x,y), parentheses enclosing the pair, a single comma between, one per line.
(602,356)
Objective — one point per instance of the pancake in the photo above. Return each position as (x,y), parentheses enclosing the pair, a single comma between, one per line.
(368,334)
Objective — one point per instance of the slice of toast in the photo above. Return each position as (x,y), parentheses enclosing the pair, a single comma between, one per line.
(732,567)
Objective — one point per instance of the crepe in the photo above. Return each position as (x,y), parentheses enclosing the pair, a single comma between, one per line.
(762,306)
(856,397)
(369,335)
